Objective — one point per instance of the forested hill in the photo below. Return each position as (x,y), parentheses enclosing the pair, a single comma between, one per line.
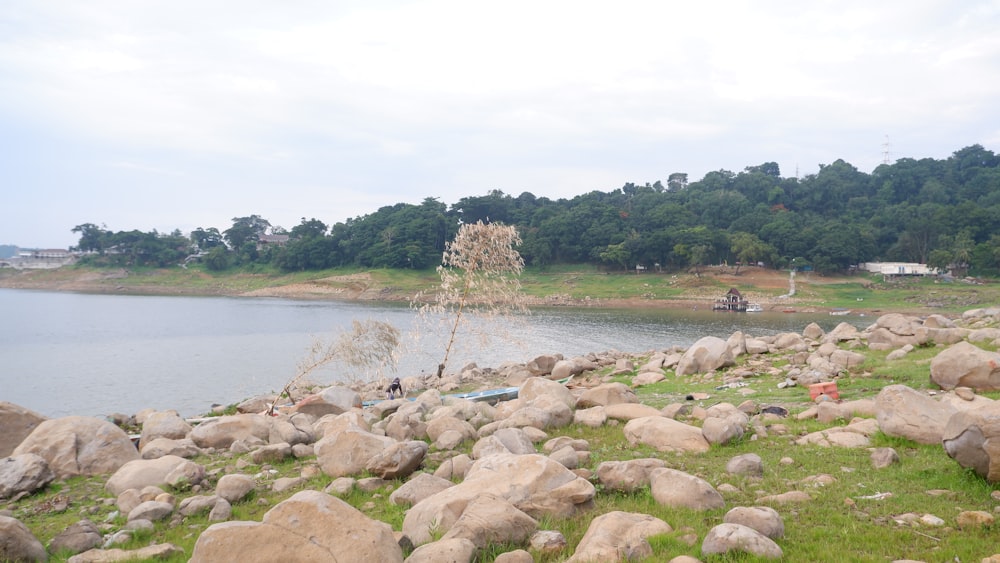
(942,212)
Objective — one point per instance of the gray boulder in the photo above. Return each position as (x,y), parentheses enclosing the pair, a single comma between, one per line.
(489,519)
(79,445)
(309,526)
(234,487)
(167,470)
(972,438)
(348,452)
(398,460)
(19,544)
(606,394)
(726,538)
(709,353)
(418,488)
(332,400)
(160,447)
(906,413)
(764,519)
(25,473)
(77,538)
(451,550)
(533,483)
(164,424)
(665,434)
(619,536)
(17,423)
(966,365)
(221,432)
(627,476)
(678,489)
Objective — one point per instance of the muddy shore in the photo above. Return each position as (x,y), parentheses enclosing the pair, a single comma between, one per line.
(359,287)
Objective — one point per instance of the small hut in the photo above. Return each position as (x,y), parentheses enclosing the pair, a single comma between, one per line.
(732,301)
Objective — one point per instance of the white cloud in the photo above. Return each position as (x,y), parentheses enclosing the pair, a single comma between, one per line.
(284,106)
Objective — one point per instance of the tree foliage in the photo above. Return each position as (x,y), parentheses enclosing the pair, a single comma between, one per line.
(840,216)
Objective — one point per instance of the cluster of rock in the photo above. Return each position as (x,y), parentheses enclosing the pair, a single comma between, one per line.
(517,472)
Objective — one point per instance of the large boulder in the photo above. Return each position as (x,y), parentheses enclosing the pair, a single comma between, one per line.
(538,387)
(606,394)
(17,543)
(906,413)
(168,470)
(709,353)
(504,441)
(488,519)
(221,432)
(332,400)
(164,424)
(349,452)
(77,538)
(726,538)
(678,489)
(665,434)
(972,438)
(895,330)
(629,475)
(533,483)
(25,473)
(234,487)
(79,445)
(309,526)
(17,422)
(966,365)
(764,519)
(418,488)
(398,460)
(619,536)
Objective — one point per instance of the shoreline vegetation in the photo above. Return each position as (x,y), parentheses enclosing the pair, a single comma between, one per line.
(570,286)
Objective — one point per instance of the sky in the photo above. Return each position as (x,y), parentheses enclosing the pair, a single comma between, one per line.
(165,115)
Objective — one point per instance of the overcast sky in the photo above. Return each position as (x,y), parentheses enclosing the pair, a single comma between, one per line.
(177,115)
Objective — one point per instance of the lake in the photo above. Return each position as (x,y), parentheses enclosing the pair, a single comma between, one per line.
(72,353)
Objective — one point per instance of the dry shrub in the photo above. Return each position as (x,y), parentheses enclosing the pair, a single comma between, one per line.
(367,350)
(479,278)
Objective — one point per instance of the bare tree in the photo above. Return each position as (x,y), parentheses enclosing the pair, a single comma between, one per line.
(368,345)
(479,277)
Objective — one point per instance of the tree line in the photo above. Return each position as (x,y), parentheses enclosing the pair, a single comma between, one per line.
(945,213)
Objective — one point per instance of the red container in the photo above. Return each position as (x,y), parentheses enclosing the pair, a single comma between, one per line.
(828,388)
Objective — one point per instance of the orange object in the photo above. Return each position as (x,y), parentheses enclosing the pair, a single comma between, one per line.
(828,388)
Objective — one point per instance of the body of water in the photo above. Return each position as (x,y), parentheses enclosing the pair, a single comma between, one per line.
(71,353)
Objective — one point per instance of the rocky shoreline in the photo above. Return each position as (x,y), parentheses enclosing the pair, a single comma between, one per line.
(470,475)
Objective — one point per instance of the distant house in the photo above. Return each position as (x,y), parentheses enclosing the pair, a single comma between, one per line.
(732,301)
(898,268)
(277,240)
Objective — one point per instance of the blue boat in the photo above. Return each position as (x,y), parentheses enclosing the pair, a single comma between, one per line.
(491,396)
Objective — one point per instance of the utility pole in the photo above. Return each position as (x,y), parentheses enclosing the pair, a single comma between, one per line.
(885,151)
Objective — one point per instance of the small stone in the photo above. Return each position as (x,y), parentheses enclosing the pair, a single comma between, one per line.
(975,519)
(884,457)
(931,520)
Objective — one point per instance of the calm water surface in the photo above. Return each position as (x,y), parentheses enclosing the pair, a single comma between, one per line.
(70,353)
